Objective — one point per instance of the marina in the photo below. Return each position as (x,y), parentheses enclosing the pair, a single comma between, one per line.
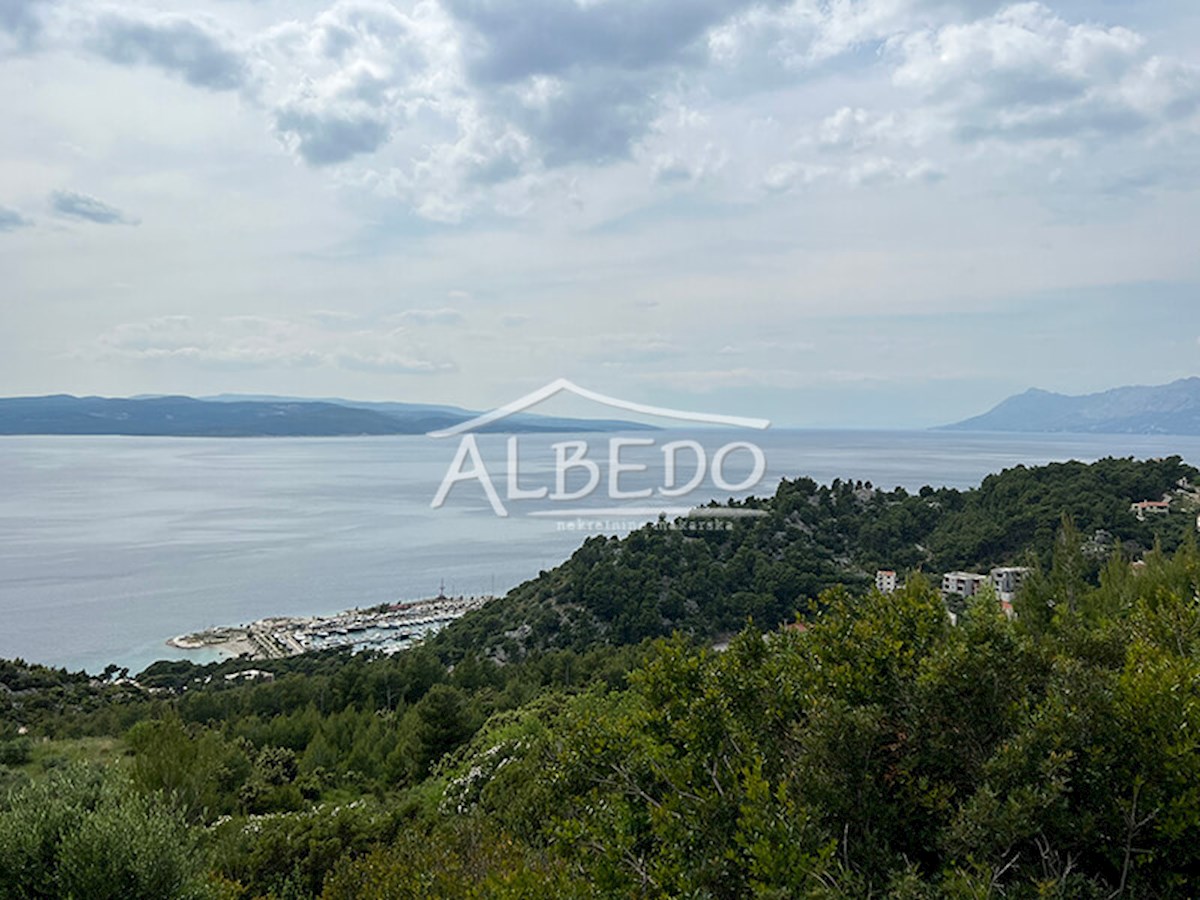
(385,628)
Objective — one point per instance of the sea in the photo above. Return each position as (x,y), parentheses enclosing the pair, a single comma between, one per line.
(109,546)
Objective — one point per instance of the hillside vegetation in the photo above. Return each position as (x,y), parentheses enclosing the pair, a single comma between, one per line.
(581,738)
(811,538)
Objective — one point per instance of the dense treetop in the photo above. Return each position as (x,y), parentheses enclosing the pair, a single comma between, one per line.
(812,537)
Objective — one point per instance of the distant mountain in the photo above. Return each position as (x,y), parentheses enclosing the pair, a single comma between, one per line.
(443,416)
(1167,409)
(232,416)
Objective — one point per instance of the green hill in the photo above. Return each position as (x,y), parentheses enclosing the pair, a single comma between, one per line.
(811,538)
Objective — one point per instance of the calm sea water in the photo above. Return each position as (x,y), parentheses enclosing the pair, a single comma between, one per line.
(111,545)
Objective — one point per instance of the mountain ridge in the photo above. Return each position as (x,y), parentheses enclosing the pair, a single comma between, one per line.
(1172,408)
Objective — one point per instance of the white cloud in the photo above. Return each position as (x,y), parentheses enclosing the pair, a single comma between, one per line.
(341,84)
(687,165)
(190,48)
(1026,74)
(263,342)
(884,170)
(804,34)
(334,318)
(690,173)
(703,381)
(757,346)
(857,129)
(461,108)
(442,316)
(393,364)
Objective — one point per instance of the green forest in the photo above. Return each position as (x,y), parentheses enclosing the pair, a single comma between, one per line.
(640,722)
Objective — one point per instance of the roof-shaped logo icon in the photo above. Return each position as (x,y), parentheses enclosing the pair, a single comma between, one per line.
(561,385)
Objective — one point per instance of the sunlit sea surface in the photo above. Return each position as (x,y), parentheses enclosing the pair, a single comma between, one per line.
(111,545)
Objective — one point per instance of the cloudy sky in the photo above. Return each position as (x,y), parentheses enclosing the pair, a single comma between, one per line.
(827,212)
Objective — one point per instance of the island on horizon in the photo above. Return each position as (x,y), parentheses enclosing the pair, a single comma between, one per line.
(261,416)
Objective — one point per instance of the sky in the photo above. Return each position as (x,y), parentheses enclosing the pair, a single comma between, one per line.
(830,213)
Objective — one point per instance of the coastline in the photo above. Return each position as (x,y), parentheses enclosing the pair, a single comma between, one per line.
(302,526)
(229,642)
(386,628)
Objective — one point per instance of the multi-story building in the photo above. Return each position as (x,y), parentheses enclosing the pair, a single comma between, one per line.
(962,584)
(885,581)
(1007,580)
